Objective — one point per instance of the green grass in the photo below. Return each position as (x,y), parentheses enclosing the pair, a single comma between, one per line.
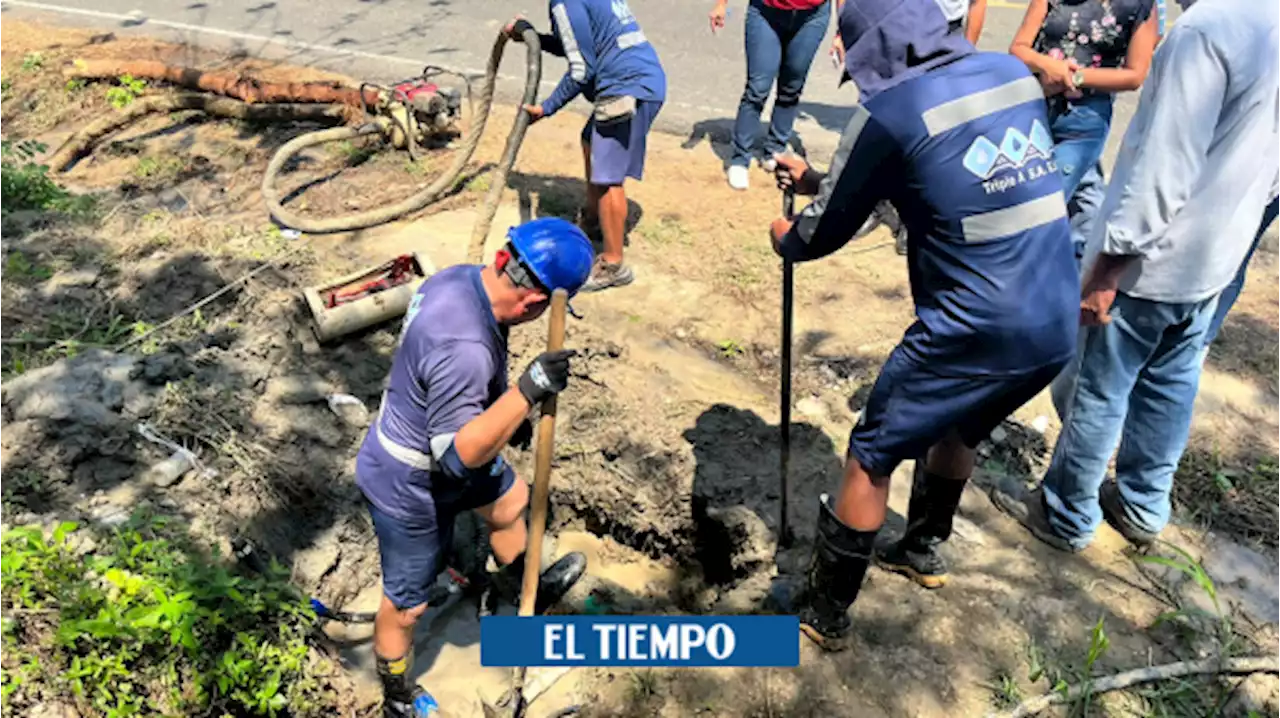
(32,61)
(666,231)
(148,623)
(157,168)
(19,267)
(350,152)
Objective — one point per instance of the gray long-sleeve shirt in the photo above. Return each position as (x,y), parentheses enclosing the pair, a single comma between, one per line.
(1199,161)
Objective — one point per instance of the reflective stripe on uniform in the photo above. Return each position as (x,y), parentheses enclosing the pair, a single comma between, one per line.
(577,65)
(848,139)
(957,112)
(404,454)
(631,39)
(1013,220)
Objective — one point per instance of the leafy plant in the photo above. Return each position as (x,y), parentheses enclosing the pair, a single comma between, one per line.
(729,348)
(126,92)
(75,85)
(32,61)
(26,183)
(146,623)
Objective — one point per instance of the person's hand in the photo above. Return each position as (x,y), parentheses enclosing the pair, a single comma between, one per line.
(717,16)
(1073,92)
(1096,297)
(790,171)
(510,29)
(837,52)
(777,231)
(1095,307)
(546,376)
(535,112)
(1056,76)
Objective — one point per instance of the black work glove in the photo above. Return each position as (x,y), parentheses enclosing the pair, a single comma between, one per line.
(546,376)
(523,435)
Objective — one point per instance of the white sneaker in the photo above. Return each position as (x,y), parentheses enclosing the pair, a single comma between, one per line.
(769,164)
(738,177)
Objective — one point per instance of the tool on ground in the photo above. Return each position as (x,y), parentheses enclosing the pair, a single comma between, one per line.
(411,115)
(784,424)
(545,451)
(365,298)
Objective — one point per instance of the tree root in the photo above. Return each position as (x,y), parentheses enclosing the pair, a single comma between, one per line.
(227,84)
(83,141)
(1252,664)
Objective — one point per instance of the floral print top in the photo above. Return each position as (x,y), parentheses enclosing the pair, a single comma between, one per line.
(1095,33)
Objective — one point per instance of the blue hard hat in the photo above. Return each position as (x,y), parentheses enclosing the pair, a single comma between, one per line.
(555,251)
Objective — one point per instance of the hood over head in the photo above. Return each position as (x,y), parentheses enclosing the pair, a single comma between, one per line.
(888,42)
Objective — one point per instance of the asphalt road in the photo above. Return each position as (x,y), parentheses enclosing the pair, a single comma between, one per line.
(383,40)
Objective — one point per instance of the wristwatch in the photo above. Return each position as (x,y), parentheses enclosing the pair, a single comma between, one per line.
(1077,78)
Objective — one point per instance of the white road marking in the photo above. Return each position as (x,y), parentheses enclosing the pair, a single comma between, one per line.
(136,19)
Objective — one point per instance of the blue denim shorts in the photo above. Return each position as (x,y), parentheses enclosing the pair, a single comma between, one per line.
(413,549)
(912,408)
(618,148)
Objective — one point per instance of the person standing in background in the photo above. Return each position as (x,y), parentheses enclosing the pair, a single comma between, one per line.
(612,65)
(782,37)
(1196,170)
(1084,52)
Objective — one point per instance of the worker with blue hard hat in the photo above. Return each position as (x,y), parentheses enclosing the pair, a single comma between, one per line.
(435,448)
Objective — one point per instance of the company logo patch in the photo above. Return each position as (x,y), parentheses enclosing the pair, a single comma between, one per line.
(984,158)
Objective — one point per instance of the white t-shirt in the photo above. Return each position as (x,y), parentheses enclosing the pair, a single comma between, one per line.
(953,9)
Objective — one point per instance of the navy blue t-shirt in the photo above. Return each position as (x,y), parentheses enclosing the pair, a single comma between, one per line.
(964,154)
(450,366)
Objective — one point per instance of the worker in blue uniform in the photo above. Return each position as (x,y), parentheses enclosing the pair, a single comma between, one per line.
(434,450)
(612,65)
(957,141)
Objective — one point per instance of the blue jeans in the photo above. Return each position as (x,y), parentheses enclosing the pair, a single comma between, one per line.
(1232,291)
(780,46)
(1079,129)
(1083,211)
(1136,386)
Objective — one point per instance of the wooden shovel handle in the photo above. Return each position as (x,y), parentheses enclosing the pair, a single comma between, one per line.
(542,467)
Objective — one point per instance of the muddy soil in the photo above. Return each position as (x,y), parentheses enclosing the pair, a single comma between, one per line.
(667,441)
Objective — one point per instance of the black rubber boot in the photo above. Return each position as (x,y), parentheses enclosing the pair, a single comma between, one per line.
(400,697)
(553,584)
(934,500)
(840,558)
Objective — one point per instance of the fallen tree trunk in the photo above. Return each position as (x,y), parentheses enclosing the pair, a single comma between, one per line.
(81,142)
(227,84)
(1251,664)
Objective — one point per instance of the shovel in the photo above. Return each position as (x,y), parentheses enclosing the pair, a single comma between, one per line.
(784,451)
(544,451)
